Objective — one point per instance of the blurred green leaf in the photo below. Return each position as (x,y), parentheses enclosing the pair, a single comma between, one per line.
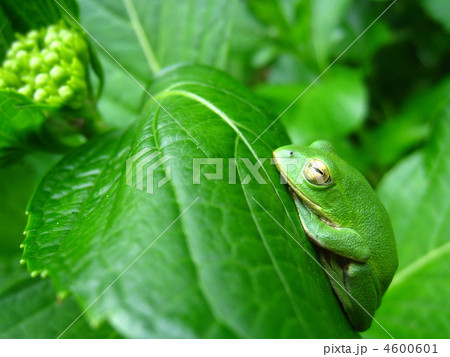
(415,61)
(439,10)
(26,15)
(122,99)
(396,136)
(416,195)
(358,17)
(29,308)
(145,37)
(225,269)
(17,183)
(148,36)
(248,46)
(288,69)
(325,17)
(6,33)
(270,12)
(334,106)
(308,28)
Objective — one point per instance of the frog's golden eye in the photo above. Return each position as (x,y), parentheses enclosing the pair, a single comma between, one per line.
(317,173)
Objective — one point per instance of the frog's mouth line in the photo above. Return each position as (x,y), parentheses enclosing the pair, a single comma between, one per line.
(320,215)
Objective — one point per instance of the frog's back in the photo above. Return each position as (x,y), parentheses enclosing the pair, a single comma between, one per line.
(374,225)
(381,239)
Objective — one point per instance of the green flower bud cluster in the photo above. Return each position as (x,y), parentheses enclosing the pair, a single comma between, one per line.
(48,66)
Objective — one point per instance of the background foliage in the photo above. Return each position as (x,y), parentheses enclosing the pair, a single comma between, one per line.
(384,104)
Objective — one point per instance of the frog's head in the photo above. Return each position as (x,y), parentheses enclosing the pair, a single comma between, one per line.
(314,174)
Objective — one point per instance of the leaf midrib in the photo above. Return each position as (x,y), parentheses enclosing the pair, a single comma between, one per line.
(214,312)
(230,122)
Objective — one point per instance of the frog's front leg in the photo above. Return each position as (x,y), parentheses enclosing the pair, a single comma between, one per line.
(364,289)
(342,241)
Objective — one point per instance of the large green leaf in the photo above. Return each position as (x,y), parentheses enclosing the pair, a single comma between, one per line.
(416,195)
(217,264)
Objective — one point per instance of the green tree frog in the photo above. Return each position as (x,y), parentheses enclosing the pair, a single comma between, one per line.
(344,219)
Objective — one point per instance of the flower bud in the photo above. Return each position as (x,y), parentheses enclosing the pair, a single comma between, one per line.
(65,92)
(29,44)
(51,58)
(11,65)
(26,90)
(35,62)
(48,66)
(21,55)
(33,35)
(58,73)
(56,45)
(40,95)
(50,37)
(42,79)
(15,47)
(54,100)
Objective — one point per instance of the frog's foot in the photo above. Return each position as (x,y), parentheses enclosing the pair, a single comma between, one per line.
(362,285)
(334,265)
